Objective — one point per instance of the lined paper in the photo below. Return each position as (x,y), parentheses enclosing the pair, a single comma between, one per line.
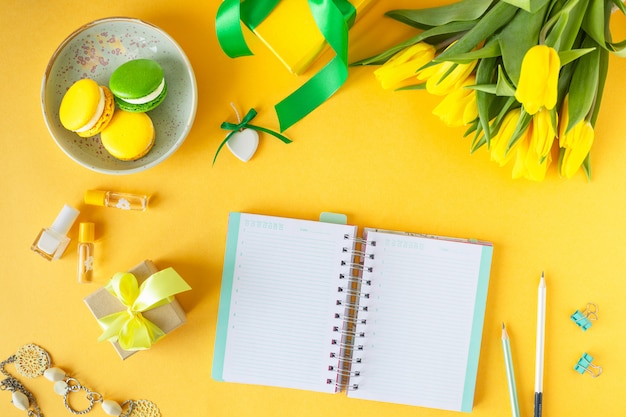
(278,302)
(424,321)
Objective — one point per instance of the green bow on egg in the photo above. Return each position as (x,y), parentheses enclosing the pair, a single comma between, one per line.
(245,124)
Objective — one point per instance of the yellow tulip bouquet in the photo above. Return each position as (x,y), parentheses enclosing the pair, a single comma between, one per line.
(521,75)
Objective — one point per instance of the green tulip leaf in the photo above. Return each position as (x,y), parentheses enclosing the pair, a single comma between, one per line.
(597,25)
(448,30)
(619,48)
(485,88)
(505,107)
(567,27)
(560,161)
(412,87)
(504,86)
(520,129)
(518,37)
(603,69)
(565,79)
(584,84)
(466,10)
(490,50)
(568,56)
(530,6)
(485,77)
(472,127)
(478,142)
(594,21)
(499,15)
(557,27)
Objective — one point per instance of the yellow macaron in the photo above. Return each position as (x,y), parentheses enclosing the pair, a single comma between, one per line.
(129,135)
(86,108)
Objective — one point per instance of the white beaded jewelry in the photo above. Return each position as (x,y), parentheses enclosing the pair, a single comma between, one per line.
(32,361)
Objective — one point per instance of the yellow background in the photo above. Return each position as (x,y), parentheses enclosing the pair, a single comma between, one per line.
(380,157)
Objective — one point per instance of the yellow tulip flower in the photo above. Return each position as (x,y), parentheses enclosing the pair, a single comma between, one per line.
(441,80)
(543,133)
(500,141)
(577,142)
(528,165)
(533,156)
(403,66)
(539,77)
(459,107)
(563,138)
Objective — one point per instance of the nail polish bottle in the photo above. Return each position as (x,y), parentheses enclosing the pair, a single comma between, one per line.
(52,241)
(86,232)
(123,201)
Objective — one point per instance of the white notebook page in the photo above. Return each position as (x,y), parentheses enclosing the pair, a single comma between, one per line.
(419,320)
(285,278)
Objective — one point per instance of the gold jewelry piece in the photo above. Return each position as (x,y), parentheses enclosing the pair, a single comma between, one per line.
(32,361)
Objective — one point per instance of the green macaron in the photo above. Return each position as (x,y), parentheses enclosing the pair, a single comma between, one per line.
(138,85)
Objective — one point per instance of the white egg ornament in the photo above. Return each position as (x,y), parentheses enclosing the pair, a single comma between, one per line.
(243,144)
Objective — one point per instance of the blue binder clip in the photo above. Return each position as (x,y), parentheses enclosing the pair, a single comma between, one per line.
(583,320)
(584,365)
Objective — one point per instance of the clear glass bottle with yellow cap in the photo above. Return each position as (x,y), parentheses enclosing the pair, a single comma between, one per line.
(86,237)
(123,201)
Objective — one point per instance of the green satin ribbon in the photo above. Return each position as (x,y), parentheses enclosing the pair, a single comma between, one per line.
(333,18)
(245,124)
(129,327)
(228,28)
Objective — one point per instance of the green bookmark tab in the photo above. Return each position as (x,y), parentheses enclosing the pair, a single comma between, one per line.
(336,218)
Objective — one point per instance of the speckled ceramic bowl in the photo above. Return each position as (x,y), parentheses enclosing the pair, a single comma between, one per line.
(95,51)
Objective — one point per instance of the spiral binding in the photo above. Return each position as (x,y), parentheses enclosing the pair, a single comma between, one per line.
(353,301)
(353,292)
(360,240)
(356,266)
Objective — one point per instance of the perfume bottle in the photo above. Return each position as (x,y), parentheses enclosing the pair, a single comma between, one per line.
(52,241)
(86,233)
(123,201)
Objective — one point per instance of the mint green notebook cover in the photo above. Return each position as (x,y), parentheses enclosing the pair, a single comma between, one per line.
(224,306)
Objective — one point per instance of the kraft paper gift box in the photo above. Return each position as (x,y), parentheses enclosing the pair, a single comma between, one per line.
(167,317)
(291,33)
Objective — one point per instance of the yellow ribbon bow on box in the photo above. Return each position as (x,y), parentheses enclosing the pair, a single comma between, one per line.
(129,327)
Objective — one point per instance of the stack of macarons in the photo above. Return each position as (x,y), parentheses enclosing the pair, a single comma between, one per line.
(127,133)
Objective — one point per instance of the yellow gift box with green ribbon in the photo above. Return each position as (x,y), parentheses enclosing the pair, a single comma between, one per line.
(134,316)
(297,31)
(291,33)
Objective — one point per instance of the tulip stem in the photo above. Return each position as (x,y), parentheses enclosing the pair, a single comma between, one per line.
(444,44)
(553,20)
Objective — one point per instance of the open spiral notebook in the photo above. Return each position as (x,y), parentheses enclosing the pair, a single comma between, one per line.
(386,316)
